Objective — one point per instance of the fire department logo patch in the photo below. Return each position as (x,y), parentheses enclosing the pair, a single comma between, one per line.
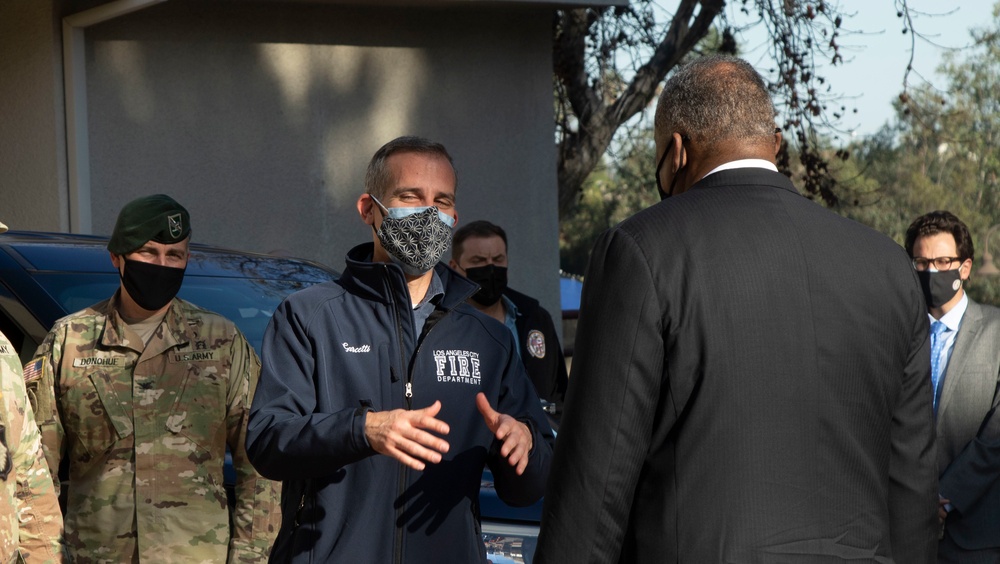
(459,366)
(536,344)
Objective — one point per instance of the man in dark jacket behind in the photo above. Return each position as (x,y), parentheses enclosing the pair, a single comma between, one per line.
(391,361)
(479,252)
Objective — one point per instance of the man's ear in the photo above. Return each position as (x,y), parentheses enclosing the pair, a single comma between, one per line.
(453,264)
(777,142)
(116,260)
(365,205)
(678,159)
(965,270)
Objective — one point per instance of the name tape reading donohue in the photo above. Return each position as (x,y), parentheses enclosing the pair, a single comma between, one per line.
(96,361)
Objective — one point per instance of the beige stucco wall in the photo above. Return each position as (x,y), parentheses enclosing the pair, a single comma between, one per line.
(261,118)
(32,130)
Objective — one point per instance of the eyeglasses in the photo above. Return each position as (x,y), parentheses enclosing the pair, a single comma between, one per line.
(940,263)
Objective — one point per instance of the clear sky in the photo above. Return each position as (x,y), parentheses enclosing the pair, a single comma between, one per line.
(876,59)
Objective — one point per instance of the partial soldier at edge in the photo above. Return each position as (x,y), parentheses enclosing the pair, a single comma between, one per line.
(31,523)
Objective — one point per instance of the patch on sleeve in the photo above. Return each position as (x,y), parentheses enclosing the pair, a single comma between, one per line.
(5,459)
(33,370)
(536,344)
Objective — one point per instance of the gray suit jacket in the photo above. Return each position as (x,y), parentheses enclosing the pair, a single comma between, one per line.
(968,431)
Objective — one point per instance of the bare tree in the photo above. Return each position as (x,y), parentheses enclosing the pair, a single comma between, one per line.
(610,62)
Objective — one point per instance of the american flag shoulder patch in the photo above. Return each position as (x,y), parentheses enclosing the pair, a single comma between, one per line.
(33,370)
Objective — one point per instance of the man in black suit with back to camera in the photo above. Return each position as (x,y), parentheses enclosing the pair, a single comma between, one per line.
(750,382)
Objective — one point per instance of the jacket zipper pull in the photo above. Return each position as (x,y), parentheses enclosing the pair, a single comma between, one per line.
(409,390)
(302,503)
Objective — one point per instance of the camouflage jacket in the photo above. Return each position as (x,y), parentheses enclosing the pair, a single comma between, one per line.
(145,429)
(30,520)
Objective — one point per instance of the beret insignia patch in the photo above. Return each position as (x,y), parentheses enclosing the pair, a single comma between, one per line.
(176,225)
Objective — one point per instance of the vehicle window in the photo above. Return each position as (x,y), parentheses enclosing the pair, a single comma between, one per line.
(247,302)
(75,290)
(12,317)
(11,331)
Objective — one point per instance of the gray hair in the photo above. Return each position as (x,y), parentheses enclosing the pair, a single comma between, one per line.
(378,178)
(715,99)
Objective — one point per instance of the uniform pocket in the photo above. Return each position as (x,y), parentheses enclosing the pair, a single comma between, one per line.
(106,421)
(199,412)
(197,427)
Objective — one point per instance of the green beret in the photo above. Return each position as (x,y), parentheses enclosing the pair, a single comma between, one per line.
(150,218)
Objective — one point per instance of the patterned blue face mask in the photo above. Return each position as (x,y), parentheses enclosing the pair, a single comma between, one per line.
(414,238)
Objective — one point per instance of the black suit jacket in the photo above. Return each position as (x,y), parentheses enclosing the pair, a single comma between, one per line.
(750,384)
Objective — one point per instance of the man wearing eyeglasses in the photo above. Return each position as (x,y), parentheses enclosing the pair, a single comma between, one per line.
(965,374)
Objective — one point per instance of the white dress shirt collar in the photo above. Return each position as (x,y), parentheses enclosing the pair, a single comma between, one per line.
(745,163)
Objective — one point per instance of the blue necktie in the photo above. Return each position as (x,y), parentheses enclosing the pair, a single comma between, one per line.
(937,346)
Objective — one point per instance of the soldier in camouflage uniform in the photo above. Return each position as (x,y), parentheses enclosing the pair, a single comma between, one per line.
(30,519)
(142,393)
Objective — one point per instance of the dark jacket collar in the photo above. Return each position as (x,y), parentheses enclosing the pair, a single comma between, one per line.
(380,281)
(749,176)
(523,302)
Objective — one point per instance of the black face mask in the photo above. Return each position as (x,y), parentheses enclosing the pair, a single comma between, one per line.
(939,287)
(151,286)
(492,280)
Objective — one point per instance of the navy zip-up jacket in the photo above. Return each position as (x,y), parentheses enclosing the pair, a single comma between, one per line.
(334,351)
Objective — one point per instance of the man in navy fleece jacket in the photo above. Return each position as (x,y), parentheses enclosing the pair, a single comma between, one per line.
(383,394)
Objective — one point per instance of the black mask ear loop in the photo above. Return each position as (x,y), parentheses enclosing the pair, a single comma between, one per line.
(659,185)
(673,183)
(381,207)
